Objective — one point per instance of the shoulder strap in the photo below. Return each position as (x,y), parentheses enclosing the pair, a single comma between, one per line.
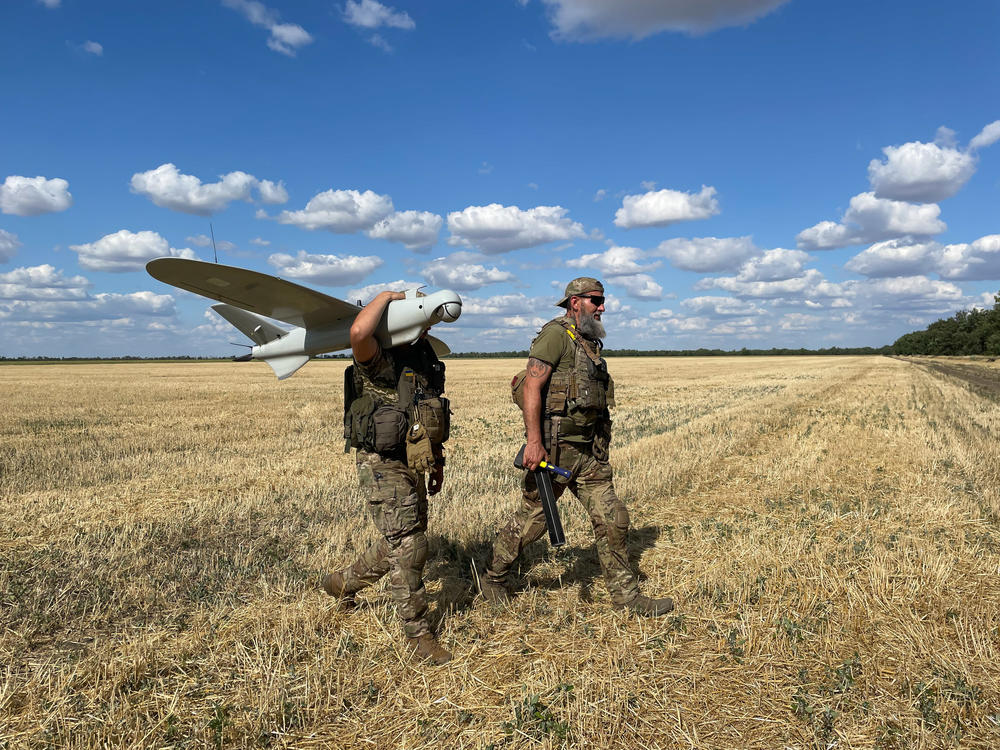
(579,340)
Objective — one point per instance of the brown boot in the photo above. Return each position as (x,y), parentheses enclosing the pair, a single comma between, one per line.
(334,585)
(426,647)
(643,605)
(493,592)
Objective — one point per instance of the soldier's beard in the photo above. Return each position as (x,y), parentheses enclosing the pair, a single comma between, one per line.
(590,326)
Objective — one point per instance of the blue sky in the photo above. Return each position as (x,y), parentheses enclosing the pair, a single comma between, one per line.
(739,172)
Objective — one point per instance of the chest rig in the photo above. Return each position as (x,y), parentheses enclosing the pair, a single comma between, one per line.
(405,388)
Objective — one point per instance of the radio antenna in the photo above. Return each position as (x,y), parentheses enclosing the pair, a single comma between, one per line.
(216,252)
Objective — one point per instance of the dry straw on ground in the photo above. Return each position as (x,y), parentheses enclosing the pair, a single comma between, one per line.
(828,526)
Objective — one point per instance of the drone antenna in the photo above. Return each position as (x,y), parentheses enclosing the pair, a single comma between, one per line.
(210,229)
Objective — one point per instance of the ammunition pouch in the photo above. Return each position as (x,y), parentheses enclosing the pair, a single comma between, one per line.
(359,423)
(389,431)
(435,415)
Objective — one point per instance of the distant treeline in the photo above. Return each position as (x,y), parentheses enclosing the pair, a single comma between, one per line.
(966,332)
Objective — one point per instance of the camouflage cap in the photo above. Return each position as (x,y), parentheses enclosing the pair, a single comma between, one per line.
(581,285)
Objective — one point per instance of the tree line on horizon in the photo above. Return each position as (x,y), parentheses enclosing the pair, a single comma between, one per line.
(967,332)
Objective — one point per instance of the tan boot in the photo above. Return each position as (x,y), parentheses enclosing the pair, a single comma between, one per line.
(493,592)
(334,585)
(643,605)
(426,647)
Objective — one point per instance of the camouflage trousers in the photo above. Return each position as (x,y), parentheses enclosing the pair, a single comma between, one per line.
(397,503)
(593,485)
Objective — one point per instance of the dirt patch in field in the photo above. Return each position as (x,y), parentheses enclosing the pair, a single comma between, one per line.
(982,377)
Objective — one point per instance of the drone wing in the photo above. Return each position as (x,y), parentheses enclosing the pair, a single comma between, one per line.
(249,290)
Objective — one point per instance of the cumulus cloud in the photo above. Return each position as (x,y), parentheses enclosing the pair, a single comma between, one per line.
(260,242)
(167,187)
(93,48)
(639,286)
(331,270)
(810,284)
(50,3)
(285,38)
(773,265)
(99,307)
(721,306)
(585,20)
(203,240)
(615,261)
(9,243)
(340,211)
(452,273)
(500,229)
(661,208)
(415,229)
(910,293)
(986,137)
(974,261)
(126,251)
(370,14)
(367,293)
(706,254)
(899,257)
(33,196)
(873,219)
(43,282)
(504,304)
(920,172)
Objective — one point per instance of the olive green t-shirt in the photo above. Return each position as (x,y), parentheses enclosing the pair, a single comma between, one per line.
(554,347)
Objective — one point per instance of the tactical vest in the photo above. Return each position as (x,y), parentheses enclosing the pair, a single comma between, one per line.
(579,396)
(378,412)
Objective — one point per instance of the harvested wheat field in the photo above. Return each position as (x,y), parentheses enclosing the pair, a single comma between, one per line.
(827,526)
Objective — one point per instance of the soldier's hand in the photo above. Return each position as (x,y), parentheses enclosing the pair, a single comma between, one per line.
(534,454)
(435,480)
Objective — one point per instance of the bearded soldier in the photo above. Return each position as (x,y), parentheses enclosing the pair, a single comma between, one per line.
(397,419)
(565,395)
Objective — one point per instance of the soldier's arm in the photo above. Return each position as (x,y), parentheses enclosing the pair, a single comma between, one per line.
(364,346)
(538,374)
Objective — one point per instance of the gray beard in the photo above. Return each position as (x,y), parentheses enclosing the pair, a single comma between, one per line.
(590,326)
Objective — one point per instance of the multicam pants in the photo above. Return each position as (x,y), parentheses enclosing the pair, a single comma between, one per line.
(592,484)
(397,503)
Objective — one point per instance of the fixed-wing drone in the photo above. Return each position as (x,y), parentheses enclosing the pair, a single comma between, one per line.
(322,323)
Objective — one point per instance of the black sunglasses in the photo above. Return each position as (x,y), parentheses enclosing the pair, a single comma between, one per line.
(596,299)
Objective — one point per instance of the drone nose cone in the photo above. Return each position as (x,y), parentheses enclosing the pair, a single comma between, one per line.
(450,311)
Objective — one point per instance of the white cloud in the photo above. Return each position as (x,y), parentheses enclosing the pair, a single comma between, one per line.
(340,211)
(126,251)
(799,322)
(43,282)
(640,286)
(94,48)
(285,38)
(987,136)
(103,307)
(900,257)
(9,243)
(260,242)
(499,229)
(873,219)
(910,293)
(451,273)
(370,14)
(975,261)
(706,254)
(773,265)
(585,20)
(721,306)
(50,3)
(661,208)
(615,261)
(810,284)
(600,195)
(167,187)
(331,270)
(33,196)
(377,40)
(505,304)
(367,293)
(415,229)
(920,172)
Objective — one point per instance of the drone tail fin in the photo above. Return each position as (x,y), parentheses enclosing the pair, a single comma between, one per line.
(258,329)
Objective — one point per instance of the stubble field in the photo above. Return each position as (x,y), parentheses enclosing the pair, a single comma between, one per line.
(827,526)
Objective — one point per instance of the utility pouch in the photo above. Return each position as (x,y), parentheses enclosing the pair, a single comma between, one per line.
(435,416)
(517,389)
(389,428)
(359,425)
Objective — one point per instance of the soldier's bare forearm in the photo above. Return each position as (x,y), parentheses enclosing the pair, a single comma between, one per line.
(363,344)
(538,374)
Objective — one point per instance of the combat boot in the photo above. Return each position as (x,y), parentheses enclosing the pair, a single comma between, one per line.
(643,605)
(335,585)
(493,592)
(426,647)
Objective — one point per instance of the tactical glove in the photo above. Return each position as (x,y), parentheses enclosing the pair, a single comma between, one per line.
(419,451)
